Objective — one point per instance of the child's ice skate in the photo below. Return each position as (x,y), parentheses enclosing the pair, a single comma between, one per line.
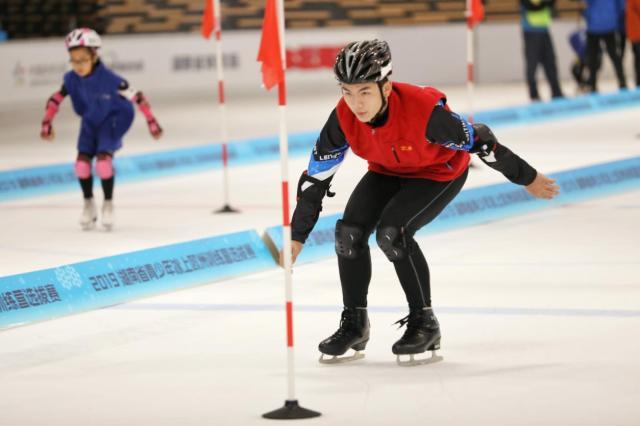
(107,215)
(89,215)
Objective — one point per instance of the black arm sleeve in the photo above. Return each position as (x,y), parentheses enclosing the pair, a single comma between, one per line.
(500,158)
(314,183)
(63,90)
(447,128)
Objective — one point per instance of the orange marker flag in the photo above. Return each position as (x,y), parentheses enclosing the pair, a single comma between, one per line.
(270,53)
(208,19)
(477,12)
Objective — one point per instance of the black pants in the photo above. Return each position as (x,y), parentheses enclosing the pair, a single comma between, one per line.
(621,43)
(538,50)
(408,205)
(636,61)
(613,50)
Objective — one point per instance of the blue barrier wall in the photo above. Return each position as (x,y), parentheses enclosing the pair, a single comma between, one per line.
(489,203)
(559,109)
(51,179)
(33,181)
(69,289)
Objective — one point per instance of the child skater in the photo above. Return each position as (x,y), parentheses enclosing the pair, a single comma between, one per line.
(103,101)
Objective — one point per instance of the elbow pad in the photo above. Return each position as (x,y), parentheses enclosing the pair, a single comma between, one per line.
(52,106)
(485,142)
(312,189)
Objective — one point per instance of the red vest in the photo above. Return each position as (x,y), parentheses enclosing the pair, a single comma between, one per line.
(400,147)
(633,20)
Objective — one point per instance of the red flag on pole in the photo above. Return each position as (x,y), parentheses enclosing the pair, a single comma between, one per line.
(477,12)
(208,19)
(270,53)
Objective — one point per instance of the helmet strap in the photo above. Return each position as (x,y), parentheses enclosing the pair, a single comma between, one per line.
(384,102)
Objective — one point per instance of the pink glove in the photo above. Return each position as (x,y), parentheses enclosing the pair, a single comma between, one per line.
(46,130)
(154,128)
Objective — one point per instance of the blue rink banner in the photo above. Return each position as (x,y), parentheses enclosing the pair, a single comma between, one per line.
(69,289)
(44,180)
(489,203)
(74,288)
(558,109)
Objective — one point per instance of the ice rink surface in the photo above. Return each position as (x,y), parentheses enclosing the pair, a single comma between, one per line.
(539,313)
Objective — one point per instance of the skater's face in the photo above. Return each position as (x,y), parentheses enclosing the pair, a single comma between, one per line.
(82,60)
(365,99)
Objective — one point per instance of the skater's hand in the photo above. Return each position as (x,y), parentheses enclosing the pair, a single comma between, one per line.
(543,187)
(154,128)
(46,131)
(296,248)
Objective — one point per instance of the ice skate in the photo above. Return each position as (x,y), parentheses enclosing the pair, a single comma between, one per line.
(107,215)
(353,333)
(89,215)
(422,335)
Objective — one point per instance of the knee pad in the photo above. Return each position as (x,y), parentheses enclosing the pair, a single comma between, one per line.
(104,166)
(389,239)
(350,240)
(83,168)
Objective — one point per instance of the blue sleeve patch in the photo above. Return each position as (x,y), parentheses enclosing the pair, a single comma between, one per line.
(319,163)
(468,129)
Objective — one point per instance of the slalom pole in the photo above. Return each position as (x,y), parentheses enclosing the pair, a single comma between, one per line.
(470,62)
(224,134)
(291,409)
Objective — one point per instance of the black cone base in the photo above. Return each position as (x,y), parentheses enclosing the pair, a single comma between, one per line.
(227,209)
(291,411)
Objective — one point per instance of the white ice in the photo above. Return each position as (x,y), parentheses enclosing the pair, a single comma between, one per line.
(539,313)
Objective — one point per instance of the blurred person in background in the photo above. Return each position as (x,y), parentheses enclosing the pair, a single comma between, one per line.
(633,34)
(621,34)
(535,17)
(579,69)
(103,100)
(603,19)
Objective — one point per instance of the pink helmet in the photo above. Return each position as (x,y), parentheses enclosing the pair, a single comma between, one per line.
(82,37)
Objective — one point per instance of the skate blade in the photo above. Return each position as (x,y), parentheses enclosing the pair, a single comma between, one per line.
(107,227)
(412,361)
(337,359)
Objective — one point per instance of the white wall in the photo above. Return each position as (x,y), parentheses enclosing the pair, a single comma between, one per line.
(171,63)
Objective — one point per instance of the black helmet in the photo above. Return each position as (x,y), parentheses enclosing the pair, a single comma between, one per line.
(363,62)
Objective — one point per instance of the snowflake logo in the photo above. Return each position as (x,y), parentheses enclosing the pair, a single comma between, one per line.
(68,277)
